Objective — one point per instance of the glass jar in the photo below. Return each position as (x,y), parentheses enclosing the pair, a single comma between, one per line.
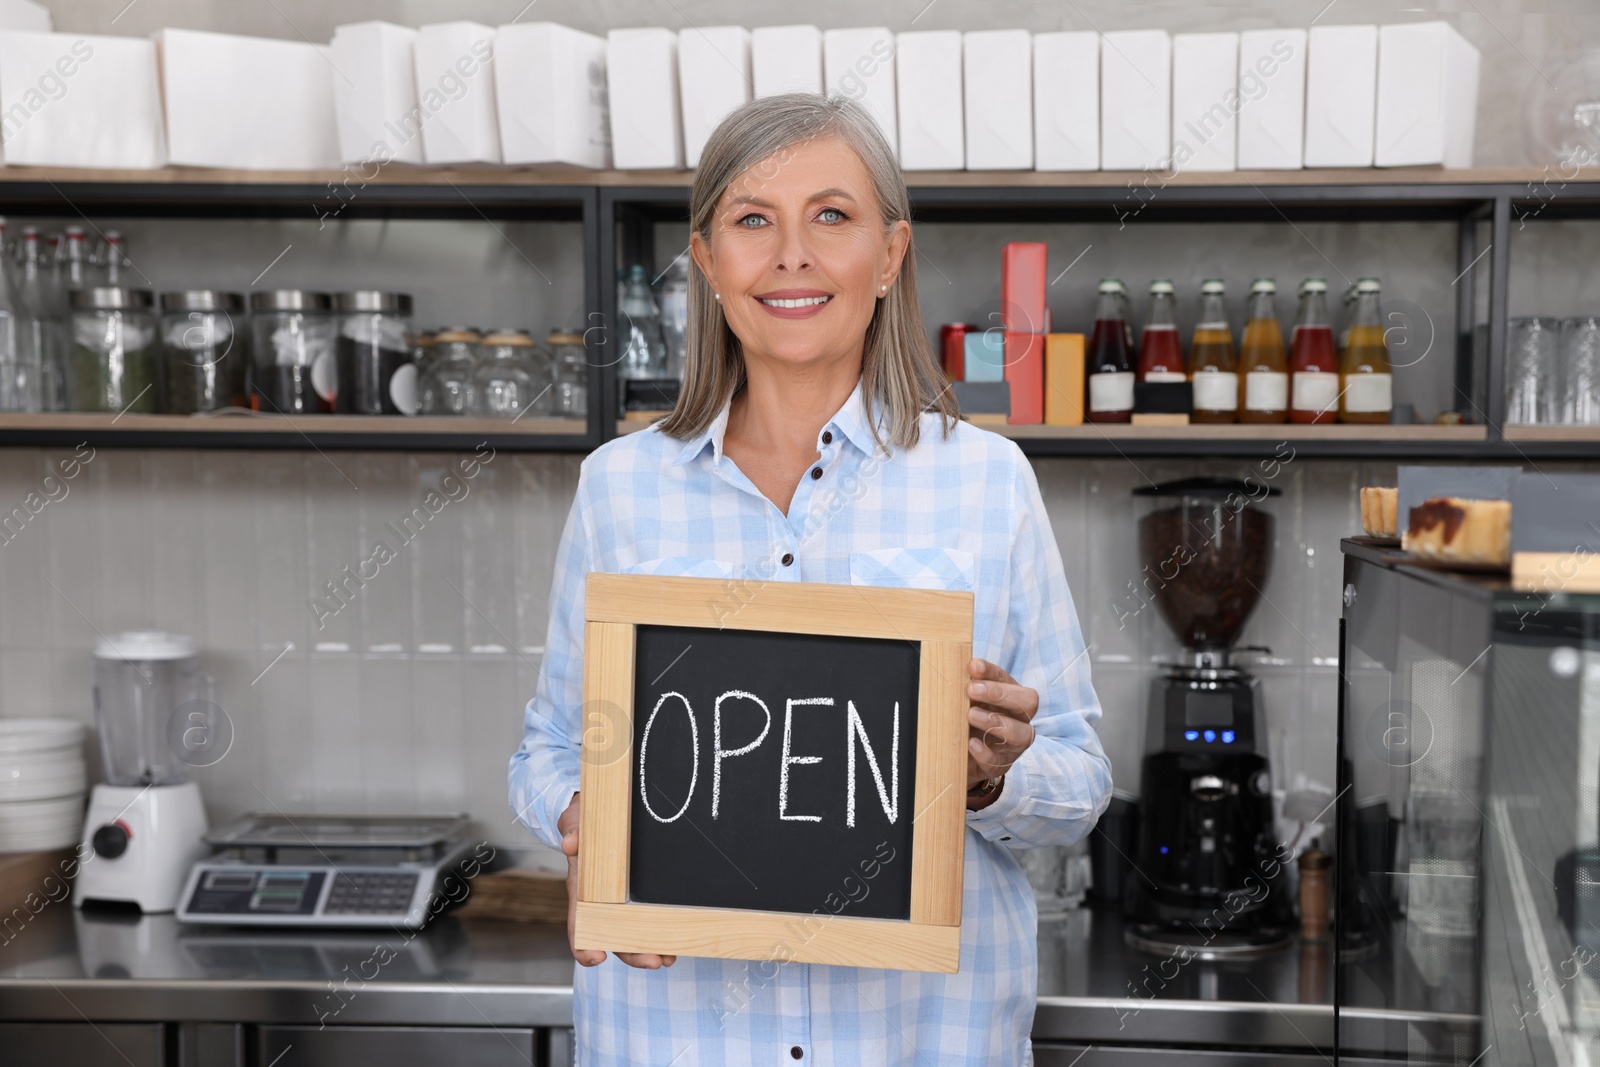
(569,375)
(445,388)
(293,368)
(512,377)
(202,354)
(113,365)
(377,375)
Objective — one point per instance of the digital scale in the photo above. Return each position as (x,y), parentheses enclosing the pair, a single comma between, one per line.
(324,870)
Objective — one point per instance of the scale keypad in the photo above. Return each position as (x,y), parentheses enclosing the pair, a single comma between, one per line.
(371,893)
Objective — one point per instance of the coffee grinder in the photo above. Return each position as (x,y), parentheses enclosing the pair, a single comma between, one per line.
(1207,873)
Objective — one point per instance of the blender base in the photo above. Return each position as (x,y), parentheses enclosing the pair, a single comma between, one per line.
(139,843)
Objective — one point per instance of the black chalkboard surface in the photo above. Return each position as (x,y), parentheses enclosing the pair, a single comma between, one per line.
(791,753)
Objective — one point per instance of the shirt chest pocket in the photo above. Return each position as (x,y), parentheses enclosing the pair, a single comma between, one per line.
(913,568)
(682,567)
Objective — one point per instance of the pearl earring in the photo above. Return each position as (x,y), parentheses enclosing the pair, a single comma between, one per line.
(883,288)
(717,295)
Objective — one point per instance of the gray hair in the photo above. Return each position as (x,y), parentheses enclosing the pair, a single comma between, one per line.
(900,376)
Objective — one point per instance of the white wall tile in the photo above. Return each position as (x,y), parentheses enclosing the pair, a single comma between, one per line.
(227,556)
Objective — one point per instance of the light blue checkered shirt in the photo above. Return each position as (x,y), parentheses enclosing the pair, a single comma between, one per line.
(956,513)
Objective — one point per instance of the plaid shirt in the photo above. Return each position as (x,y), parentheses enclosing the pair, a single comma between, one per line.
(956,513)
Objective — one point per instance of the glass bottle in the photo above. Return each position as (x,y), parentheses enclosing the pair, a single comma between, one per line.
(646,353)
(18,388)
(111,260)
(507,383)
(1212,366)
(674,300)
(1160,350)
(1110,362)
(445,388)
(72,273)
(44,381)
(569,372)
(1263,370)
(1313,358)
(1366,381)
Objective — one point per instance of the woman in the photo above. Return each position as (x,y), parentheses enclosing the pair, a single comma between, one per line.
(815,441)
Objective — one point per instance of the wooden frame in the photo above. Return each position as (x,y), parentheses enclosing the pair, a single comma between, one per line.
(939,621)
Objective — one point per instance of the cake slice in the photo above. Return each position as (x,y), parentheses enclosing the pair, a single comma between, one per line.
(1453,530)
(1378,508)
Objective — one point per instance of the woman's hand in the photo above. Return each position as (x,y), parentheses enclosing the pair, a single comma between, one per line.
(568,825)
(999,724)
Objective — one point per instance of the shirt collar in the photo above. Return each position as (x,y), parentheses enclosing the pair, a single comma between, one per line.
(850,420)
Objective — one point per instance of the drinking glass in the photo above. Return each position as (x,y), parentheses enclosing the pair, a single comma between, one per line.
(1580,370)
(1530,371)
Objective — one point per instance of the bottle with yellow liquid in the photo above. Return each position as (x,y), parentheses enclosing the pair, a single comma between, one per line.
(1213,370)
(1263,366)
(1366,381)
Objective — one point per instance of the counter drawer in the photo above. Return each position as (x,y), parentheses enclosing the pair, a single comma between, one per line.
(83,1045)
(1051,1054)
(396,1046)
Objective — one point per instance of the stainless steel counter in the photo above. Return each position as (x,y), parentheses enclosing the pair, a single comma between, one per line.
(70,966)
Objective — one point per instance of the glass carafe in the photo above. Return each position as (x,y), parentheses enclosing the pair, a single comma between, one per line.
(149,695)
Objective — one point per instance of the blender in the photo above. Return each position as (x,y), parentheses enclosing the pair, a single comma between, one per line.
(1207,871)
(146,821)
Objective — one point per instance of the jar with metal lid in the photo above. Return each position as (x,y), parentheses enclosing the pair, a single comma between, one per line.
(569,375)
(512,377)
(114,362)
(376,373)
(445,387)
(293,369)
(203,353)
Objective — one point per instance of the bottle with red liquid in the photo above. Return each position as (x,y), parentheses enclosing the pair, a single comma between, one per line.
(1160,350)
(1110,362)
(1313,358)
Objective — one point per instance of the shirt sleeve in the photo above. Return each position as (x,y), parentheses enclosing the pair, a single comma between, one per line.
(1056,790)
(544,770)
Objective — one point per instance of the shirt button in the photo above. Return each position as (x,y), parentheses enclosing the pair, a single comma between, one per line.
(1006,838)
(788,559)
(827,437)
(816,472)
(797,1052)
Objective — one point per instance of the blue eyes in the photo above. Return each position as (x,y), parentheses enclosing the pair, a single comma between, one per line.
(829,215)
(831,211)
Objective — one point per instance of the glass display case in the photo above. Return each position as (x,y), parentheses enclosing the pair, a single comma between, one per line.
(1468,862)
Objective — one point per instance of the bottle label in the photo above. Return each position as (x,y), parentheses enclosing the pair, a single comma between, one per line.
(1111,391)
(1165,376)
(1368,392)
(1266,390)
(403,388)
(1216,390)
(1315,390)
(325,376)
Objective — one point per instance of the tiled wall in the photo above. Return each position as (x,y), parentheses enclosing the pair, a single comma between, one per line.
(408,697)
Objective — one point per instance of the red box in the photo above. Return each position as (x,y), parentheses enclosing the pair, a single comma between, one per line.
(1023,308)
(953,350)
(1024,372)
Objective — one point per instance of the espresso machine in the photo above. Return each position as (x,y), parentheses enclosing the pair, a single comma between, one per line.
(1207,871)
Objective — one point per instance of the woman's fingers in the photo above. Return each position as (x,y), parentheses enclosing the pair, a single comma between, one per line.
(995,689)
(998,740)
(647,961)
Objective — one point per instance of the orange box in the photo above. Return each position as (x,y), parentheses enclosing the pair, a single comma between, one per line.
(1025,374)
(1063,379)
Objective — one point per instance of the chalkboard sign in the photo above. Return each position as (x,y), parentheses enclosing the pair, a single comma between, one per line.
(780,775)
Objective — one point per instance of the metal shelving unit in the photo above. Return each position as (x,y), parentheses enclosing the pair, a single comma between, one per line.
(619,209)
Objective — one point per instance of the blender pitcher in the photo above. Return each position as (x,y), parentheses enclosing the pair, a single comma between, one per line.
(150,697)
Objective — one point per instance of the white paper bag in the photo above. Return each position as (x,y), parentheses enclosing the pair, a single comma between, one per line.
(1341,95)
(1427,96)
(646,124)
(255,103)
(998,66)
(786,59)
(714,78)
(455,88)
(375,93)
(927,69)
(1205,100)
(859,63)
(25,16)
(78,101)
(1272,105)
(1135,100)
(1066,101)
(550,87)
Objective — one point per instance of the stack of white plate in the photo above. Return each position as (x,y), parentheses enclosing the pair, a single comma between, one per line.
(42,784)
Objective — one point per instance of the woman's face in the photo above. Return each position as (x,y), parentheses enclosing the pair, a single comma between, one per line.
(798,253)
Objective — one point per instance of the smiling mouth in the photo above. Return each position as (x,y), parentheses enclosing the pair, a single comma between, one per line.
(802,302)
